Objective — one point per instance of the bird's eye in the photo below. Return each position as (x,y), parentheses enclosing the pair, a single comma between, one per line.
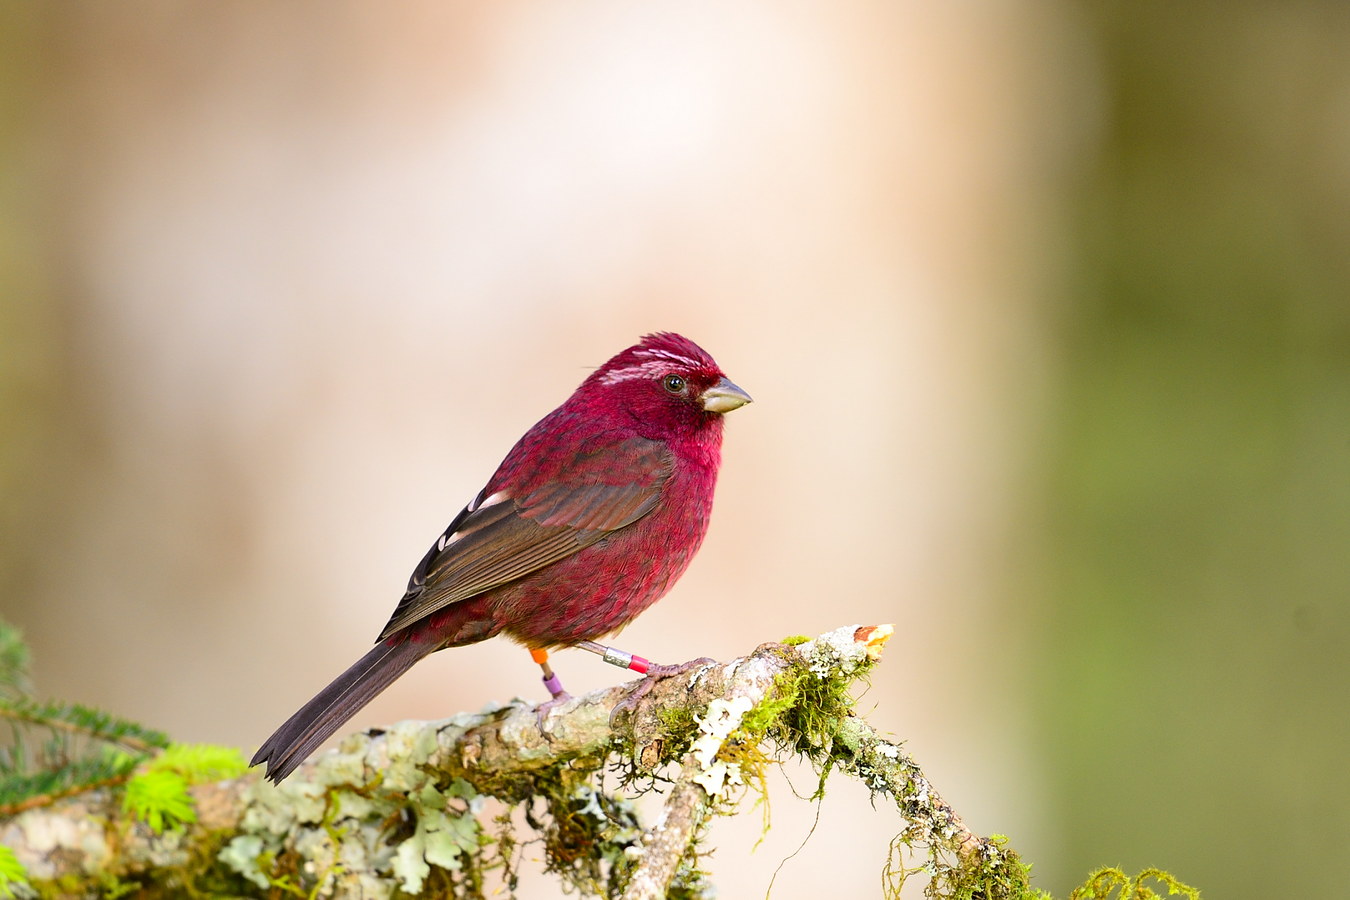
(673,384)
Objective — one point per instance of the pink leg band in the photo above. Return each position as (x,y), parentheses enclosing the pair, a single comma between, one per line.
(615,657)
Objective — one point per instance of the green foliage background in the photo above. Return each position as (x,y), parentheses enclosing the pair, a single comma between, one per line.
(1194,689)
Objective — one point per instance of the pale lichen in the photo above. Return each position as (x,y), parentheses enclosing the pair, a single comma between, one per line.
(399,811)
(334,826)
(242,854)
(717,724)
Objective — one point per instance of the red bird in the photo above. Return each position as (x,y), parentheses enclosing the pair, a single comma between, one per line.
(589,520)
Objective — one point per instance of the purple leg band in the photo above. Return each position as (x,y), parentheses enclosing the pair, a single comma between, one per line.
(554,685)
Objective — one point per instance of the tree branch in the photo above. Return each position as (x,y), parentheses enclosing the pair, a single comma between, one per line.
(399,808)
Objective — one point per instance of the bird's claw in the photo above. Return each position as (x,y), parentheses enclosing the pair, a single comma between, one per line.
(628,705)
(543,710)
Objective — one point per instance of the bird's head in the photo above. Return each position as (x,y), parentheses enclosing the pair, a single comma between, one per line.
(667,383)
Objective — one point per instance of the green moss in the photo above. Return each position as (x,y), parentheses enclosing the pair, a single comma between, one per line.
(1103,881)
(13,876)
(810,710)
(766,716)
(197,876)
(992,871)
(587,835)
(679,727)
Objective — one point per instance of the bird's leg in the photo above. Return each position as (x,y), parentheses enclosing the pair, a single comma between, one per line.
(654,671)
(621,658)
(552,682)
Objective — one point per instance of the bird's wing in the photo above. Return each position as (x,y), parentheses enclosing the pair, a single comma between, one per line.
(563,506)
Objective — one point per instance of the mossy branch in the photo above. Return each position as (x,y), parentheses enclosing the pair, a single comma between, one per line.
(398,811)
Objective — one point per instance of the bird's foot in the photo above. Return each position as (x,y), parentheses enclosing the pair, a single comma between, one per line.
(628,705)
(554,685)
(543,710)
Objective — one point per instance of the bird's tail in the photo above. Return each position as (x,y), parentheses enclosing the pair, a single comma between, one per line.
(316,721)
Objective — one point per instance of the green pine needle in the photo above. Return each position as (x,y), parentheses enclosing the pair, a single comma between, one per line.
(12,872)
(158,795)
(159,799)
(17,786)
(78,719)
(197,763)
(14,680)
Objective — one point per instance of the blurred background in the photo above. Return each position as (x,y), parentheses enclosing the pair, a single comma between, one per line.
(1045,307)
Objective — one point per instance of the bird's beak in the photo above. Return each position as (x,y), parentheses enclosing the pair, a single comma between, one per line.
(723,397)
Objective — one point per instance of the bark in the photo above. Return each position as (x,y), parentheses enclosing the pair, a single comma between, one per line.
(398,810)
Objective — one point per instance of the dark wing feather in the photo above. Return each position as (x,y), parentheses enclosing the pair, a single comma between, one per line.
(598,507)
(556,514)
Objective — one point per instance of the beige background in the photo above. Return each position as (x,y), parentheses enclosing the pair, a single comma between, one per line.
(289,280)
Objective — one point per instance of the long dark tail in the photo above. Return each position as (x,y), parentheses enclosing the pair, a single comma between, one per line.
(316,721)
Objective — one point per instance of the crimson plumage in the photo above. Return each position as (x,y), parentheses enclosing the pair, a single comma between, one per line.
(590,519)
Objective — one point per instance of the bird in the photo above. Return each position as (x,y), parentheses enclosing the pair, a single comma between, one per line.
(588,521)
